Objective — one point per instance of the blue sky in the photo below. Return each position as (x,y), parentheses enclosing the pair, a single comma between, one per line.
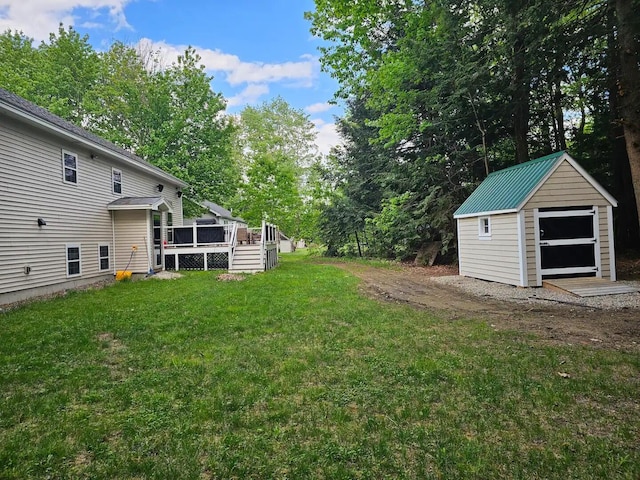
(255,49)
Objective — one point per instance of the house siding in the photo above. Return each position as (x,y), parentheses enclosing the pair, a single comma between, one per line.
(32,187)
(566,187)
(496,259)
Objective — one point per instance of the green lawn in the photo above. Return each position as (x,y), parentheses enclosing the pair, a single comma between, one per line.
(293,374)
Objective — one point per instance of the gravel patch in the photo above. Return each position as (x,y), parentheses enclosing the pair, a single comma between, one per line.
(536,296)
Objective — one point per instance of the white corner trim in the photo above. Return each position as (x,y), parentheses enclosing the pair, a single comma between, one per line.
(612,250)
(536,228)
(522,249)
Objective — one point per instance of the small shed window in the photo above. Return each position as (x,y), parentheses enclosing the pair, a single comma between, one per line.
(103,257)
(484,228)
(116,180)
(70,167)
(73,260)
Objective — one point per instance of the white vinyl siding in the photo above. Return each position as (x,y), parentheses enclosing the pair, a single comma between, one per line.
(566,187)
(132,237)
(30,188)
(496,260)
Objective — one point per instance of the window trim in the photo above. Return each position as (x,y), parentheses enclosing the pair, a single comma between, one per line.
(100,257)
(482,234)
(68,262)
(64,167)
(113,181)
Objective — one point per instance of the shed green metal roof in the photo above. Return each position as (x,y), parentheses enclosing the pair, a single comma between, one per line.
(505,190)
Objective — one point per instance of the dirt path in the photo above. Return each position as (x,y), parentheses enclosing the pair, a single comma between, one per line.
(551,323)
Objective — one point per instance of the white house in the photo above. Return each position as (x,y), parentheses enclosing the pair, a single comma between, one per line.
(74,208)
(542,219)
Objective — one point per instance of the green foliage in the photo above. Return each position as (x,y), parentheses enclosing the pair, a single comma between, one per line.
(439,94)
(276,150)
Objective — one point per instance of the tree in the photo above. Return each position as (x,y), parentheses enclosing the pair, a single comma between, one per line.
(277,147)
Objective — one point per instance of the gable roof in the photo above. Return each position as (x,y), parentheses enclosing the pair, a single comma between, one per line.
(140,203)
(16,106)
(508,190)
(220,211)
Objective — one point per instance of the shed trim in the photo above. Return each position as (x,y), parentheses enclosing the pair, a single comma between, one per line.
(612,251)
(522,249)
(486,214)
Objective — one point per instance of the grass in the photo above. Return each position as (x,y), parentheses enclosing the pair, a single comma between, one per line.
(292,374)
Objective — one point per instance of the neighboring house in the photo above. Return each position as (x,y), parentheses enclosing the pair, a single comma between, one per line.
(540,219)
(286,245)
(217,215)
(74,208)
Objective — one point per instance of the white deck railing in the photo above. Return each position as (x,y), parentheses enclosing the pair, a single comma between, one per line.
(202,247)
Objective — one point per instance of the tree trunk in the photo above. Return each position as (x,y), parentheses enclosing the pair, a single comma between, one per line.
(627,228)
(628,24)
(561,141)
(520,99)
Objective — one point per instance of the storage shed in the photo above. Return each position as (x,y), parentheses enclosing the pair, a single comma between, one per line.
(546,218)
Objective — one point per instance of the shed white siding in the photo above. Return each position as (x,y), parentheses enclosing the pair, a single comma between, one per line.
(495,258)
(566,187)
(32,187)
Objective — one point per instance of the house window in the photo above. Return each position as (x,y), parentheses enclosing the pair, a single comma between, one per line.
(484,228)
(103,257)
(73,260)
(70,167)
(116,180)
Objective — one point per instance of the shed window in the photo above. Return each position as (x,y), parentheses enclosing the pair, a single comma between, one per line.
(116,180)
(484,227)
(70,167)
(103,257)
(73,260)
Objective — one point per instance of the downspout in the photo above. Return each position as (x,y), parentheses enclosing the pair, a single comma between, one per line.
(113,240)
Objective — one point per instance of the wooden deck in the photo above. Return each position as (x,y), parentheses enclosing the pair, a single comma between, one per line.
(587,287)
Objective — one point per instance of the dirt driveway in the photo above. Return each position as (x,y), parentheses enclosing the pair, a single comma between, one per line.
(552,324)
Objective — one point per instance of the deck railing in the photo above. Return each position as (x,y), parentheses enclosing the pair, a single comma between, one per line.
(205,247)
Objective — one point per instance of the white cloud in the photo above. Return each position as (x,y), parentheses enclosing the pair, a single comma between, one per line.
(38,18)
(236,71)
(327,135)
(249,95)
(318,108)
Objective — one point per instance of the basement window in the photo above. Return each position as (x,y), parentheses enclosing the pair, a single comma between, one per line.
(103,257)
(484,228)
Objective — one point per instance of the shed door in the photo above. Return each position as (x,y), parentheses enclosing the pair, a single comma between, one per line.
(568,242)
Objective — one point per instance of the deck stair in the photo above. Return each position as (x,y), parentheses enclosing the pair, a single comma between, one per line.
(246,259)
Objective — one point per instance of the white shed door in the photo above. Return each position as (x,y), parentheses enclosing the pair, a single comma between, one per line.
(568,242)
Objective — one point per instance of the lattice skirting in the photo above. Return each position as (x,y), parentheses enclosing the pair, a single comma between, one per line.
(196,261)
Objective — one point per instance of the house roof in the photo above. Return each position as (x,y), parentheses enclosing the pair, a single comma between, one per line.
(508,190)
(16,106)
(140,203)
(220,211)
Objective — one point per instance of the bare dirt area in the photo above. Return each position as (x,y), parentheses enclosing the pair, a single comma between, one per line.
(556,323)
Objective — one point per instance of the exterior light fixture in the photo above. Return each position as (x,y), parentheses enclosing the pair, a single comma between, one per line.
(160,187)
(41,222)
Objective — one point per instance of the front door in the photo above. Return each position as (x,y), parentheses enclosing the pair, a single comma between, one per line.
(156,218)
(568,242)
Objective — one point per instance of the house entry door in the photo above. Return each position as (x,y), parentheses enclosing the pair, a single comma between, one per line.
(156,218)
(568,242)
